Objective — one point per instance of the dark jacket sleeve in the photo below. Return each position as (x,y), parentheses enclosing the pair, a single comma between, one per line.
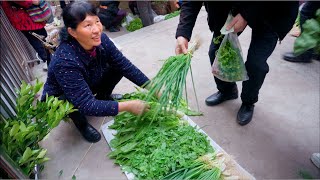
(121,63)
(279,15)
(251,11)
(188,15)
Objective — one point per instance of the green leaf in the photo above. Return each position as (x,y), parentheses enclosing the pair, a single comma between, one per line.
(26,155)
(23,100)
(36,151)
(128,147)
(37,87)
(42,154)
(74,177)
(32,134)
(14,129)
(22,126)
(43,160)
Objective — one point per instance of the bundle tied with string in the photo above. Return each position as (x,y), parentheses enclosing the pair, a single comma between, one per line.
(170,81)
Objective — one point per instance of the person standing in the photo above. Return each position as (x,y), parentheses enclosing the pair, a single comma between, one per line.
(145,12)
(268,26)
(20,20)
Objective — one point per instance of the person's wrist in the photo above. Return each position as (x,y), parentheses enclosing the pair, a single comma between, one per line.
(124,106)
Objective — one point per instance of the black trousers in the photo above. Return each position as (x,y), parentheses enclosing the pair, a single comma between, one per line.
(145,12)
(37,44)
(103,92)
(263,42)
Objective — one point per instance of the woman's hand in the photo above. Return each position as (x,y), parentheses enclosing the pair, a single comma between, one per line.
(136,107)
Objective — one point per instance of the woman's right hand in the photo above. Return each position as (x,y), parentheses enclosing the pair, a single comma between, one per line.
(136,107)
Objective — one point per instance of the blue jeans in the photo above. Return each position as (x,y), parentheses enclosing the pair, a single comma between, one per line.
(263,42)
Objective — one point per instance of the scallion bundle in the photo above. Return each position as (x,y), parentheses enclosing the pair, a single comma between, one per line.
(205,167)
(171,80)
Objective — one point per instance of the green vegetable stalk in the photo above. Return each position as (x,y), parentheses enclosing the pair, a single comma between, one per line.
(171,80)
(205,167)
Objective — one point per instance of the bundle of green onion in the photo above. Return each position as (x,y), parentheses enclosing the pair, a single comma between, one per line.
(205,167)
(171,80)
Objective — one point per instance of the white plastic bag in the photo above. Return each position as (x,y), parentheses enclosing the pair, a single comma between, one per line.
(130,17)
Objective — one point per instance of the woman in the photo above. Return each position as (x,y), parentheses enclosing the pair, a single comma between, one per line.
(86,67)
(20,20)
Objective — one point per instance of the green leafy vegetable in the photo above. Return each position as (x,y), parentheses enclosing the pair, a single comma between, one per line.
(228,65)
(135,25)
(173,14)
(218,39)
(151,148)
(310,37)
(19,137)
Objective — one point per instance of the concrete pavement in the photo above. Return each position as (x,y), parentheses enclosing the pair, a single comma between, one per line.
(277,144)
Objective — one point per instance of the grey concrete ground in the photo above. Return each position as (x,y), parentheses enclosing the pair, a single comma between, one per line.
(277,144)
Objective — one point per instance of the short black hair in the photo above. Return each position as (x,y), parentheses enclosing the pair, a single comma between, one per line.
(73,14)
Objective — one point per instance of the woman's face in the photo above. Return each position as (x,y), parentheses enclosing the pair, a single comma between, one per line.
(88,32)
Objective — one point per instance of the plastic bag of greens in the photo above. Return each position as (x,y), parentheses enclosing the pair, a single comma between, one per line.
(228,64)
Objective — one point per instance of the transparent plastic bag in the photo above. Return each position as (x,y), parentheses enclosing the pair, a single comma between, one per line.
(130,17)
(228,64)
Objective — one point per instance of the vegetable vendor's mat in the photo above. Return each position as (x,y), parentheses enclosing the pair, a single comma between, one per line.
(237,171)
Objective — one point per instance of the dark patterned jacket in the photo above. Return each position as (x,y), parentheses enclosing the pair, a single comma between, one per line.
(76,74)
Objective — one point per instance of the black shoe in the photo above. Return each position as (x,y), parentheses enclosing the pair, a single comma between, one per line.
(245,114)
(87,131)
(305,57)
(218,98)
(316,56)
(90,134)
(116,97)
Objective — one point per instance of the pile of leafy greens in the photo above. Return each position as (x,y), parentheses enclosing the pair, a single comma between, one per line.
(310,37)
(229,64)
(151,148)
(135,25)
